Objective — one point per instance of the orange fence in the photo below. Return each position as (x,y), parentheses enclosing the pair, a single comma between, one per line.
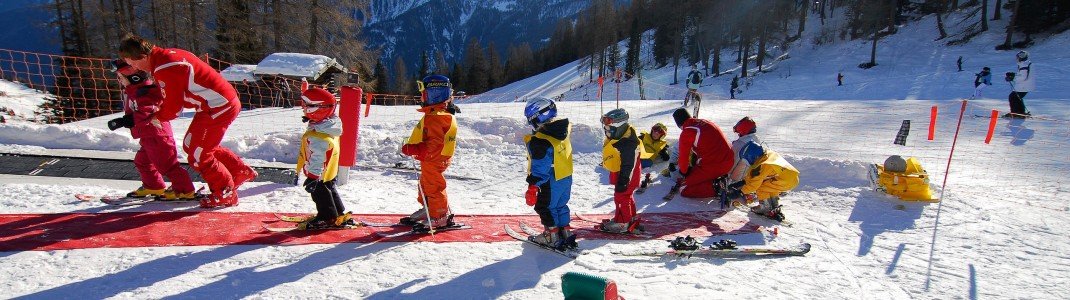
(78,88)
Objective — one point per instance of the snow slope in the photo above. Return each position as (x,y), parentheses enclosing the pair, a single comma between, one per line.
(998,233)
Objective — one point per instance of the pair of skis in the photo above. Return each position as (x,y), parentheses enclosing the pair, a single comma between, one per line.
(123,200)
(360,224)
(687,247)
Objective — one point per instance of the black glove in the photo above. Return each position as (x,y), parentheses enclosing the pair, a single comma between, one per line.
(664,154)
(737,184)
(1009,76)
(126,121)
(311,185)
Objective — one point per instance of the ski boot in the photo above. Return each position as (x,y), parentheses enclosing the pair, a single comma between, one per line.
(142,192)
(226,197)
(315,223)
(566,238)
(547,238)
(346,220)
(436,223)
(769,208)
(632,226)
(170,195)
(413,218)
(244,176)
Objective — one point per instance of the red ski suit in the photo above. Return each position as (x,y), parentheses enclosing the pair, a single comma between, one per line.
(188,82)
(702,143)
(157,155)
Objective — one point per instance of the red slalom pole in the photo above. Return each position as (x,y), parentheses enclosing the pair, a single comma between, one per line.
(992,126)
(932,123)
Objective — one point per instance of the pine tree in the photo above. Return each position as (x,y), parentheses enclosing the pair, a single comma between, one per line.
(382,82)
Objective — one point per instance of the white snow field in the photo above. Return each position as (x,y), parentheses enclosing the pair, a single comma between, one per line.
(999,232)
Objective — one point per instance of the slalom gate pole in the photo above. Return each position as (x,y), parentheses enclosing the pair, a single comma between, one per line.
(943,189)
(420,188)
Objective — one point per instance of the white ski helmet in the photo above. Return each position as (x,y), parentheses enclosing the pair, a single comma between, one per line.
(1023,55)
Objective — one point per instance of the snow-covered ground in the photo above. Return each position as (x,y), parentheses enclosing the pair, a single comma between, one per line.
(998,233)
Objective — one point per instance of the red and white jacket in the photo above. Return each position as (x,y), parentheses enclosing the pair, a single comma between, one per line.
(189,82)
(707,142)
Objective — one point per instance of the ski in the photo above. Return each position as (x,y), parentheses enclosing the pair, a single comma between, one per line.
(688,247)
(675,189)
(294,228)
(455,226)
(571,253)
(598,227)
(119,200)
(293,219)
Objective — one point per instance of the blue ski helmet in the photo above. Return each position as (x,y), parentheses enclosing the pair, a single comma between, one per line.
(435,89)
(540,110)
(751,152)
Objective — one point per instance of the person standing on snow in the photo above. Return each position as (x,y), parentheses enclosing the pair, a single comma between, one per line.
(982,80)
(734,86)
(432,142)
(1022,82)
(188,82)
(705,155)
(694,80)
(549,172)
(157,155)
(620,156)
(318,160)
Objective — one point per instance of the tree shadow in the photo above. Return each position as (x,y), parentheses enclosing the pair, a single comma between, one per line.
(247,281)
(877,214)
(148,273)
(487,282)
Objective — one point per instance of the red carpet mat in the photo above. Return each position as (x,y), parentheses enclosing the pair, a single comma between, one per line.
(19,232)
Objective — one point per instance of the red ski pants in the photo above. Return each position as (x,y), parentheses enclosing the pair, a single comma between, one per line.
(699,182)
(625,201)
(433,185)
(201,144)
(157,158)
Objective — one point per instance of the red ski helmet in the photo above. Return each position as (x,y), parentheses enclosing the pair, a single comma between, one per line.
(745,126)
(318,104)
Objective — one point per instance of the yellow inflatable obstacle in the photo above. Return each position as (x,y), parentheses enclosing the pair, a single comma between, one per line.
(905,179)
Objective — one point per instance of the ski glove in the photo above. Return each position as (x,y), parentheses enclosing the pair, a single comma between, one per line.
(311,185)
(126,121)
(414,150)
(532,195)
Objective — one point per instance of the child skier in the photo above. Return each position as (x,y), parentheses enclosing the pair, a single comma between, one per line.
(768,177)
(318,160)
(982,80)
(747,130)
(620,155)
(694,81)
(432,143)
(157,155)
(655,157)
(549,172)
(1022,82)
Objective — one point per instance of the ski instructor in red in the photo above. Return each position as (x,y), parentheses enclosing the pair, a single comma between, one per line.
(188,82)
(705,155)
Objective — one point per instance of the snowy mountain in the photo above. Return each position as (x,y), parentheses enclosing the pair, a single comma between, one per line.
(407,27)
(23,26)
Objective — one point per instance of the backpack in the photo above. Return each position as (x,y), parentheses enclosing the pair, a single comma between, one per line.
(696,78)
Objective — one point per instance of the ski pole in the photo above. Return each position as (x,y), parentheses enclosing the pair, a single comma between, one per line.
(427,209)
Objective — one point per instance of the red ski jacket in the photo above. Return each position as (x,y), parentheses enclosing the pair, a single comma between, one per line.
(189,82)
